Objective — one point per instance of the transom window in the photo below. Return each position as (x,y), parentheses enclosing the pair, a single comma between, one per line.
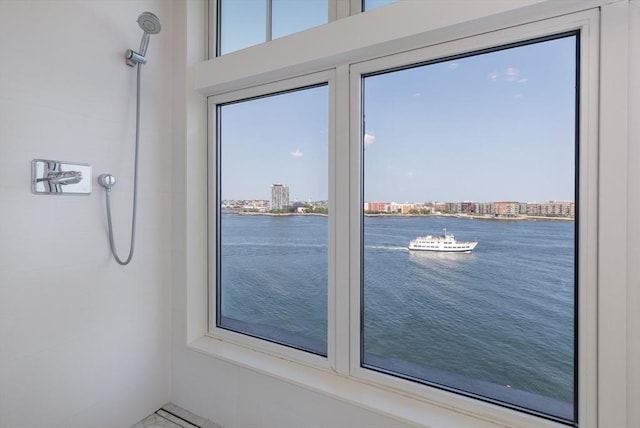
(244,23)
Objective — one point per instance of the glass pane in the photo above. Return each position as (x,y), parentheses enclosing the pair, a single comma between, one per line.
(372,4)
(291,16)
(272,267)
(241,23)
(475,147)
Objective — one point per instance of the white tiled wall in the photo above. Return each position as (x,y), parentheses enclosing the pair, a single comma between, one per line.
(83,341)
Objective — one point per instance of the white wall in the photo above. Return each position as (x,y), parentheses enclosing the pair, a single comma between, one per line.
(83,341)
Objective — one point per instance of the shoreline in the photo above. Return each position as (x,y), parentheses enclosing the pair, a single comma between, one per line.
(277,214)
(462,216)
(477,217)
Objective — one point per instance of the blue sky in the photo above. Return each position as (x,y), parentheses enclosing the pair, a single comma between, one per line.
(281,139)
(496,126)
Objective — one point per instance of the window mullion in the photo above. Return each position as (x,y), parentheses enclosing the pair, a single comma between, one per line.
(356,6)
(339,9)
(332,10)
(269,20)
(355,238)
(341,170)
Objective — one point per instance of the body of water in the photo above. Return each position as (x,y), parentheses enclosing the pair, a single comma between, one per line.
(497,323)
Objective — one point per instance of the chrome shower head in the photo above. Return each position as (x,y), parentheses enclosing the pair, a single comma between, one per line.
(150,24)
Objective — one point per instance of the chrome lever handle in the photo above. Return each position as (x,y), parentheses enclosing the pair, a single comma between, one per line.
(62,177)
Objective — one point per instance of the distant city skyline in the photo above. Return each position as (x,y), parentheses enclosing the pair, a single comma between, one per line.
(419,201)
(499,209)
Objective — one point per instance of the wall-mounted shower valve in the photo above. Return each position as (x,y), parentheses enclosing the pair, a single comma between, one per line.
(49,177)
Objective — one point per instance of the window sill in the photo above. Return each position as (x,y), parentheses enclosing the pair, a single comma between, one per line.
(397,405)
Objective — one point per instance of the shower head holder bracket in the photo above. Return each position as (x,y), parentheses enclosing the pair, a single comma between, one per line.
(133,58)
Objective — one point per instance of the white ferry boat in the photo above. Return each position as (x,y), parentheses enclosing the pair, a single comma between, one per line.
(444,244)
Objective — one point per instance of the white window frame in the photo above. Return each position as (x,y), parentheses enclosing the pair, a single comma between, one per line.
(264,345)
(337,9)
(587,24)
(606,351)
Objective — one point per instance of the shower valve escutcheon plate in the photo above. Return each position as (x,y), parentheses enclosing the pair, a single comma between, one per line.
(50,177)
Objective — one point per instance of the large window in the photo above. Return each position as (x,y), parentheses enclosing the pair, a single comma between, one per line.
(469,227)
(419,220)
(271,207)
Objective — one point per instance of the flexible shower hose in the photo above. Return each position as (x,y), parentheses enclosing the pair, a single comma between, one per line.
(135,187)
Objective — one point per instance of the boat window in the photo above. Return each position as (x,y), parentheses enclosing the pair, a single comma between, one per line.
(450,315)
(272,218)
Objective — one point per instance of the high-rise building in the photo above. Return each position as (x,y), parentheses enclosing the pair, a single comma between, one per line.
(279,196)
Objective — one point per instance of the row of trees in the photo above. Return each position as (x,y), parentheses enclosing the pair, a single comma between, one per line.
(308,209)
(411,211)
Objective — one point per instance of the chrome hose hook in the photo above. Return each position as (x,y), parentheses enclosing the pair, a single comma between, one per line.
(107,181)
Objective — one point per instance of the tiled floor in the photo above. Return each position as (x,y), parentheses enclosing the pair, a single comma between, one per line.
(172,416)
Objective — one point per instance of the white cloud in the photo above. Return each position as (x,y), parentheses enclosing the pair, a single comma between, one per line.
(369,138)
(410,174)
(512,74)
(416,94)
(517,96)
(454,66)
(297,154)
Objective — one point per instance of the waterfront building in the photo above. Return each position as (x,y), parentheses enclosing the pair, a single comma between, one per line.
(279,196)
(484,208)
(552,208)
(406,208)
(523,208)
(452,207)
(439,207)
(467,207)
(397,208)
(379,207)
(506,209)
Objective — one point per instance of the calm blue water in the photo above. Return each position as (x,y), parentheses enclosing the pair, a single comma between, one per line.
(497,322)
